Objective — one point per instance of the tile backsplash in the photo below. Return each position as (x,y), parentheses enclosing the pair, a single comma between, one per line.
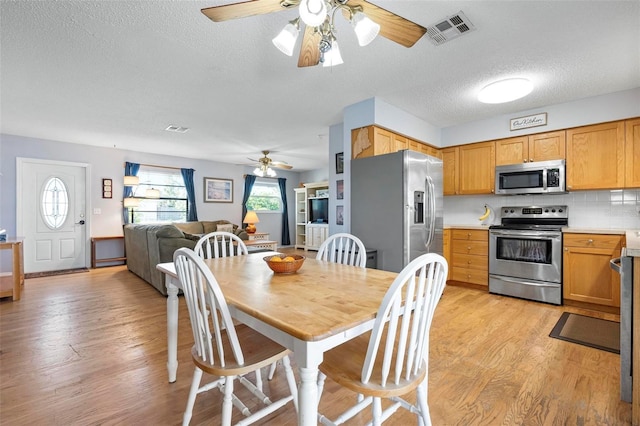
(616,209)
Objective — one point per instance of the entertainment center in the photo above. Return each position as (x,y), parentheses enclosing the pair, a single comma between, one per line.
(312,215)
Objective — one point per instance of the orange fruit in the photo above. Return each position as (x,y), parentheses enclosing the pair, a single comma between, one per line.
(289,259)
(276,259)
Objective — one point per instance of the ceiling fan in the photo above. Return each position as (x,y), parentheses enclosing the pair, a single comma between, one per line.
(319,44)
(265,166)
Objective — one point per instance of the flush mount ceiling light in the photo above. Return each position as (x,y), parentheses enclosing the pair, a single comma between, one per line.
(319,44)
(505,91)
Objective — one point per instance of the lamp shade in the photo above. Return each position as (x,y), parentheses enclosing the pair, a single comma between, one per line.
(131,180)
(366,30)
(251,217)
(286,40)
(131,202)
(332,57)
(313,12)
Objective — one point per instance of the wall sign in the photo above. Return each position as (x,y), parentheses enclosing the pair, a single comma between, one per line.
(529,121)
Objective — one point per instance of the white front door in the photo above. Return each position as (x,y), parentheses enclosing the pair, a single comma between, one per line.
(51,214)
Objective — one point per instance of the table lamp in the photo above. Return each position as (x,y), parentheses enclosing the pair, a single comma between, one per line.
(251,218)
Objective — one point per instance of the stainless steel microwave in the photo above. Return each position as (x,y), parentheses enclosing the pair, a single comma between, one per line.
(541,177)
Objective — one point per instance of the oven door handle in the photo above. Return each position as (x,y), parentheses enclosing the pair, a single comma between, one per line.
(536,234)
(615,264)
(520,281)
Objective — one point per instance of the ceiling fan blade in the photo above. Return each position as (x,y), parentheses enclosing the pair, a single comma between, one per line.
(241,10)
(392,26)
(280,165)
(309,49)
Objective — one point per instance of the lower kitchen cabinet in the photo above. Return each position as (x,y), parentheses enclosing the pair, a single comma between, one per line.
(470,256)
(446,249)
(587,276)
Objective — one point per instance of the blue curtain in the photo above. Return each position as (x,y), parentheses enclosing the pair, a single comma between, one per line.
(192,213)
(249,180)
(130,169)
(282,183)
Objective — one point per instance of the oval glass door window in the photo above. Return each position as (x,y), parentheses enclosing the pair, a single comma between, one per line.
(55,203)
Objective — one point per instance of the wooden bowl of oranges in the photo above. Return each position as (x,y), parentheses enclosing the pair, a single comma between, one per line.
(284,263)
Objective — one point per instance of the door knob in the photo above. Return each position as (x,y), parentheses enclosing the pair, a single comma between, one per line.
(80,223)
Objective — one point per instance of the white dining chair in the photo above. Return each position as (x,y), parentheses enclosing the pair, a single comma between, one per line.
(220,244)
(393,359)
(223,349)
(343,248)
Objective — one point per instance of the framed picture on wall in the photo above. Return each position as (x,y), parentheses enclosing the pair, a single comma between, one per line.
(339,163)
(340,189)
(218,190)
(107,188)
(339,215)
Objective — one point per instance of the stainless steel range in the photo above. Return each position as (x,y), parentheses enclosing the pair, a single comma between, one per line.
(525,253)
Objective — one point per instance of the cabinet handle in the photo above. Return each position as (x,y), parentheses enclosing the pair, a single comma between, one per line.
(589,241)
(468,248)
(566,249)
(531,160)
(525,160)
(469,262)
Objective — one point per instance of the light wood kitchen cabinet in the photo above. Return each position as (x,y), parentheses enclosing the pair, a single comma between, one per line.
(446,249)
(373,140)
(476,168)
(450,170)
(632,153)
(525,149)
(470,256)
(595,156)
(587,276)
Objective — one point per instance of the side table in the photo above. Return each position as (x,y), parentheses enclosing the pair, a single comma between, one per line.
(96,240)
(263,244)
(10,285)
(258,236)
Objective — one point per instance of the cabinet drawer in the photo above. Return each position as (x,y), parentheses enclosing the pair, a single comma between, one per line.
(470,262)
(473,276)
(600,241)
(469,234)
(471,247)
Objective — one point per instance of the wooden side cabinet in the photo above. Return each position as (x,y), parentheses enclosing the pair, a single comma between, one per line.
(477,168)
(446,248)
(632,153)
(470,256)
(587,276)
(316,234)
(11,285)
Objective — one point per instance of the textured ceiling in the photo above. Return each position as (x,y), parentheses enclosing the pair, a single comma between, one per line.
(117,73)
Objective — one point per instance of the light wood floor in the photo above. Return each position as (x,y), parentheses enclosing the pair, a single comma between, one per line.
(90,348)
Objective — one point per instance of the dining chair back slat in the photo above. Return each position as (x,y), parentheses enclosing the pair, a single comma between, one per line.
(343,248)
(220,244)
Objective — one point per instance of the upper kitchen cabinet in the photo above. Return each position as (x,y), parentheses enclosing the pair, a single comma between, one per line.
(373,140)
(595,156)
(525,149)
(632,153)
(476,168)
(450,170)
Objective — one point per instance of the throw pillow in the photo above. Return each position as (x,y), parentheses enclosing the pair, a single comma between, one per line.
(227,227)
(192,237)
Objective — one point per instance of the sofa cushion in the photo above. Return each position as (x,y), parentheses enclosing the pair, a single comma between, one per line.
(190,227)
(212,225)
(192,237)
(169,232)
(224,227)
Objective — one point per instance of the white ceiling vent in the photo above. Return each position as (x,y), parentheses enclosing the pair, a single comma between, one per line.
(449,28)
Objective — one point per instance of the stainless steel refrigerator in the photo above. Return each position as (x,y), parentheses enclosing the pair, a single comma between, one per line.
(396,206)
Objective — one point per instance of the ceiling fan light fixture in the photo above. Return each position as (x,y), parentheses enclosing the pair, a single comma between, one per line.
(285,41)
(313,12)
(271,172)
(366,30)
(332,57)
(505,91)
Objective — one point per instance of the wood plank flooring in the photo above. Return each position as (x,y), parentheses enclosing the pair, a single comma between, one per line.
(90,349)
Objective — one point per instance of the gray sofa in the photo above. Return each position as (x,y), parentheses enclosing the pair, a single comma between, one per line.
(148,245)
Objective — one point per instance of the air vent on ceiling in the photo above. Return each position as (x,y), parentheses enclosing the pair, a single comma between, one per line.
(449,28)
(177,129)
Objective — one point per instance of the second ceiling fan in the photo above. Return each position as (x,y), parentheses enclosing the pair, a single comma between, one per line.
(319,44)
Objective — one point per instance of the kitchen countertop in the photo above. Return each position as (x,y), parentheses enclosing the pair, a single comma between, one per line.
(633,243)
(481,227)
(593,231)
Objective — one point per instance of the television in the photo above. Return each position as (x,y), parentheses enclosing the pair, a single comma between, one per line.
(318,210)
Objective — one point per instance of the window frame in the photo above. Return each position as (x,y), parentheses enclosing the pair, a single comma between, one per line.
(266,182)
(145,174)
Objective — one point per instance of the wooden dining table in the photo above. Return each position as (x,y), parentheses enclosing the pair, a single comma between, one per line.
(309,312)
